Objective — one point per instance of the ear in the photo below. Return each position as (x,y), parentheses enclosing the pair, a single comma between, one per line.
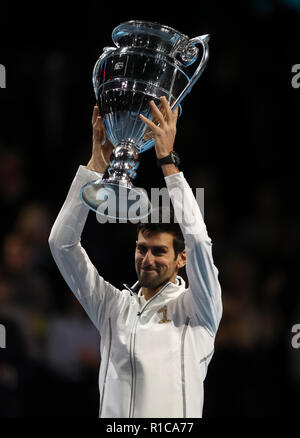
(181,259)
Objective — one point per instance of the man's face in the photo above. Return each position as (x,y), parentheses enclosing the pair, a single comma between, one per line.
(155,261)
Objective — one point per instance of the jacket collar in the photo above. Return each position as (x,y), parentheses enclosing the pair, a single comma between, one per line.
(135,288)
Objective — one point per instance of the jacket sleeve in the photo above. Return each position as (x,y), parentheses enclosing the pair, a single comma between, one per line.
(96,295)
(204,287)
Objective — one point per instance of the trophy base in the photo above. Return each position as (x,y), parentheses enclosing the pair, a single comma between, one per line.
(112,200)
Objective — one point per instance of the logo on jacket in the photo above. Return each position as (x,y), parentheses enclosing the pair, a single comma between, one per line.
(163,310)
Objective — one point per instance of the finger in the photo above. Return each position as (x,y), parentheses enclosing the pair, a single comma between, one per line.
(95,114)
(148,122)
(154,118)
(166,108)
(175,113)
(171,115)
(156,113)
(98,129)
(98,125)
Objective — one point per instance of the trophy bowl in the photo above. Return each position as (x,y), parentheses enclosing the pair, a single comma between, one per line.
(149,61)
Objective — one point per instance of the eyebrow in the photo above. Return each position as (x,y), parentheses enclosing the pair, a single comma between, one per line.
(152,247)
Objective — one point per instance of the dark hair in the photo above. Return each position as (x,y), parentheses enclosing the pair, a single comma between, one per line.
(172,227)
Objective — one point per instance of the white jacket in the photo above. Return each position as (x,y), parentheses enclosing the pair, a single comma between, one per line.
(155,353)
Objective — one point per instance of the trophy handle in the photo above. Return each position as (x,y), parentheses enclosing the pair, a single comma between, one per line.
(203,39)
(106,51)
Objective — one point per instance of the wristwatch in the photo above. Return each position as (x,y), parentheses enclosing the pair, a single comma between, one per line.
(172,158)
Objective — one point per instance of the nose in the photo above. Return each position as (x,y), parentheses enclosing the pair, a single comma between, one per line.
(148,258)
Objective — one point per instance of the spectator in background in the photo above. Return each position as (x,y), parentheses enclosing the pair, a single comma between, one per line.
(72,348)
(13,186)
(262,231)
(24,256)
(71,362)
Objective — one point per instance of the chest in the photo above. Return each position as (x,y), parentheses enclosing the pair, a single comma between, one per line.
(157,331)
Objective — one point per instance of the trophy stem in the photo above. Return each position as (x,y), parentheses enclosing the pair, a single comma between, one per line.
(124,161)
(114,196)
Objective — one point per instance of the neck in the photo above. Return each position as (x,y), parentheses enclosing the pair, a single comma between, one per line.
(149,293)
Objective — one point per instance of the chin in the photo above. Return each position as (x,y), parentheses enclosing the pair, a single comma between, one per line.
(147,282)
(152,283)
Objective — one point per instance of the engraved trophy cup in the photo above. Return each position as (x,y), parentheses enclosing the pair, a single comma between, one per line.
(149,60)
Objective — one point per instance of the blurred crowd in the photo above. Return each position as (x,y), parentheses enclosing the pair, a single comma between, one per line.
(51,347)
(49,367)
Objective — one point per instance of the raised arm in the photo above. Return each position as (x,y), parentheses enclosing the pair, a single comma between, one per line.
(204,288)
(88,286)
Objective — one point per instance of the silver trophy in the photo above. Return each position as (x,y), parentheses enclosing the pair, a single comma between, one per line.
(150,60)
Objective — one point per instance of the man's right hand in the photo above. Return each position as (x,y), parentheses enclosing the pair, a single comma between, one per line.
(101,152)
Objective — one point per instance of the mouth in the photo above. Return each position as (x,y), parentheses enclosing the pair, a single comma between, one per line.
(148,270)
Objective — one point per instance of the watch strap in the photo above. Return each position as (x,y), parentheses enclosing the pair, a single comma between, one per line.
(172,158)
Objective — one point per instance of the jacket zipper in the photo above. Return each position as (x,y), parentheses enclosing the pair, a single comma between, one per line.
(132,359)
(182,367)
(107,363)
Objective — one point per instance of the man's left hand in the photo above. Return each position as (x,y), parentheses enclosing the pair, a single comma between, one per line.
(164,133)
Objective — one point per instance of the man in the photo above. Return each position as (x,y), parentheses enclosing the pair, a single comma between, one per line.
(157,338)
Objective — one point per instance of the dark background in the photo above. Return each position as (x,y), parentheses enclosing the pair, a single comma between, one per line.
(237,138)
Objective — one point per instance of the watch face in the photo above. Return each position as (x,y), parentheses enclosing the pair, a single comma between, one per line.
(175,158)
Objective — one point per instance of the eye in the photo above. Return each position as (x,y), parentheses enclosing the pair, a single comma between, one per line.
(159,251)
(141,248)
